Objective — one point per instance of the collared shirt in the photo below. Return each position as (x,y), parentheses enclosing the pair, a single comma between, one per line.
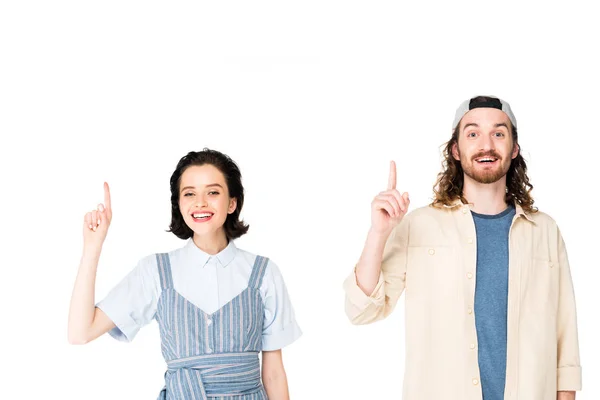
(431,256)
(207,281)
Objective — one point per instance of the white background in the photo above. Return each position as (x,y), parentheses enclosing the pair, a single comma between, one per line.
(312,99)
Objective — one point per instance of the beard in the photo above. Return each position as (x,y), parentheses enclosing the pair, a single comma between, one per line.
(487,175)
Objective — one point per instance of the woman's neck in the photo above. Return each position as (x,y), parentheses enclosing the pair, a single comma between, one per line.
(211,244)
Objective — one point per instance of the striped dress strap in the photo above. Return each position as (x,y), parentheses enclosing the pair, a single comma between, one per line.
(258,271)
(164,270)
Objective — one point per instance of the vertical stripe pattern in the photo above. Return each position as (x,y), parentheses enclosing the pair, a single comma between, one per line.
(211,356)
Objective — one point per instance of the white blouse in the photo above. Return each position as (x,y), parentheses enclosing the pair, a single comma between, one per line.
(207,281)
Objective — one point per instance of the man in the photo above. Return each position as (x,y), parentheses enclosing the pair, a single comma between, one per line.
(490,306)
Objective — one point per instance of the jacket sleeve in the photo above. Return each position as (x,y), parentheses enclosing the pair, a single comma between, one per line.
(568,368)
(362,309)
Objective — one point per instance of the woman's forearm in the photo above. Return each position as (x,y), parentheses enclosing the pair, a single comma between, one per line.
(274,376)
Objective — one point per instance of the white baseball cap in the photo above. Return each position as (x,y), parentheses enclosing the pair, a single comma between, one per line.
(482,102)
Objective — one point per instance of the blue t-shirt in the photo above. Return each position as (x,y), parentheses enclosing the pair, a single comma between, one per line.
(491,299)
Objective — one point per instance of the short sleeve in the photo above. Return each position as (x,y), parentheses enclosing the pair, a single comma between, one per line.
(280,327)
(132,303)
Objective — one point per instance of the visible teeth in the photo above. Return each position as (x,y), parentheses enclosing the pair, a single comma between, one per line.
(201,215)
(485,159)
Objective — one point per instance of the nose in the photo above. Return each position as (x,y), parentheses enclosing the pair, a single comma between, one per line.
(486,143)
(201,202)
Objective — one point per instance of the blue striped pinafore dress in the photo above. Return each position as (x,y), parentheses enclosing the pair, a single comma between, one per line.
(211,356)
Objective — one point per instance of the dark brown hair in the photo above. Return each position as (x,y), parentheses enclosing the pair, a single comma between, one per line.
(449,185)
(234,227)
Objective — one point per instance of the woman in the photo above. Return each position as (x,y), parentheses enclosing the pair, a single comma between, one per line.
(217,306)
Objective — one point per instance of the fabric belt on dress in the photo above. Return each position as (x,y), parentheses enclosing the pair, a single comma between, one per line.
(212,375)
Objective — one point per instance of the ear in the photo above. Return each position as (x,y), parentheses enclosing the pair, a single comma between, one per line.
(516,150)
(455,153)
(232,205)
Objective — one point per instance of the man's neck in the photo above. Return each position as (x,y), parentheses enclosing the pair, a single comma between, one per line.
(485,198)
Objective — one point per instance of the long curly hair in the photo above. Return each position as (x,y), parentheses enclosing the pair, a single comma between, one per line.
(449,185)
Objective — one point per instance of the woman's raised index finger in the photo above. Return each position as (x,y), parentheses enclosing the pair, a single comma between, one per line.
(106,196)
(392,177)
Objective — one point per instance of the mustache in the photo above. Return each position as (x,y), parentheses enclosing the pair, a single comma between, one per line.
(491,153)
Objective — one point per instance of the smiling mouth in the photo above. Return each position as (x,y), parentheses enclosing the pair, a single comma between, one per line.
(486,160)
(202,216)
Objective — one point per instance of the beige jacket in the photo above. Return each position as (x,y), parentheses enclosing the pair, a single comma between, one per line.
(431,255)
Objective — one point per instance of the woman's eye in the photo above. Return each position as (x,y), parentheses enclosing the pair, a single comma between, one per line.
(472,134)
(188,194)
(213,193)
